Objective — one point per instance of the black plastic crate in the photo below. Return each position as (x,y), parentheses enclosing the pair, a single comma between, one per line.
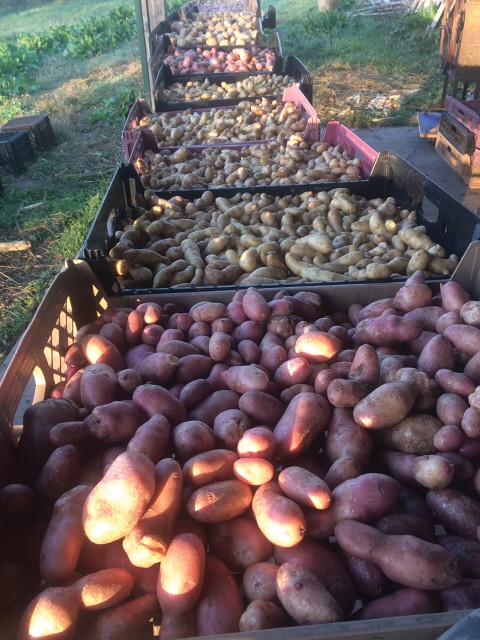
(15,150)
(165,79)
(39,128)
(447,221)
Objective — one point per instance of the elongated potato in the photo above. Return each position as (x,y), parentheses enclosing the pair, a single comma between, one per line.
(304,487)
(239,543)
(182,569)
(403,558)
(280,519)
(219,501)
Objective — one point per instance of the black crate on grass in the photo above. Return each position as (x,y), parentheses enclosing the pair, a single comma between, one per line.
(38,126)
(15,150)
(447,221)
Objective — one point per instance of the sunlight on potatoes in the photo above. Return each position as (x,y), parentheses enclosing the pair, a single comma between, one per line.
(48,619)
(204,500)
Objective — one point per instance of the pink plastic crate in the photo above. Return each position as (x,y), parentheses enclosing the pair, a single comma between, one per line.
(290,94)
(467,113)
(338,134)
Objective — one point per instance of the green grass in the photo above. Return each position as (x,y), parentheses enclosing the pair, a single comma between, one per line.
(49,14)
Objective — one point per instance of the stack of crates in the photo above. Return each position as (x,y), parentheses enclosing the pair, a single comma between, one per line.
(458,140)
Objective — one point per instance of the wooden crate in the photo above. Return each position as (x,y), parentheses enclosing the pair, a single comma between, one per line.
(464,164)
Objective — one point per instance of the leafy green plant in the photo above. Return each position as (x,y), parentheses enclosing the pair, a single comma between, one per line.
(114,108)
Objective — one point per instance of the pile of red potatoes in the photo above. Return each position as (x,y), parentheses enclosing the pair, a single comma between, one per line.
(250,464)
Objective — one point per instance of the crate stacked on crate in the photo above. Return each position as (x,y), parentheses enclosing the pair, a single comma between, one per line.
(458,140)
(21,137)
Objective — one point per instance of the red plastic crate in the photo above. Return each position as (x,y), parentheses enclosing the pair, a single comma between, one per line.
(290,94)
(467,113)
(338,134)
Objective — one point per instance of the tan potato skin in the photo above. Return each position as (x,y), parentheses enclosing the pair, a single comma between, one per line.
(253,471)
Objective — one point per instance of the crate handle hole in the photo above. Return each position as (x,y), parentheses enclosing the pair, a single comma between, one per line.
(430,210)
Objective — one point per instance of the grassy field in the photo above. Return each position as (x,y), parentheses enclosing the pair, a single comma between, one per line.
(82,68)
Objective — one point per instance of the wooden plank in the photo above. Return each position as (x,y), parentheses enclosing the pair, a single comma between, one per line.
(435,21)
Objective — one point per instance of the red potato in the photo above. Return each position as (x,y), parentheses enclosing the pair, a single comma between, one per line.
(257,442)
(136,354)
(229,427)
(34,446)
(128,380)
(365,366)
(368,579)
(406,523)
(220,606)
(154,399)
(403,602)
(75,356)
(427,316)
(448,438)
(437,354)
(193,367)
(291,372)
(287,395)
(414,293)
(177,626)
(60,473)
(326,565)
(280,519)
(280,307)
(207,311)
(223,325)
(318,346)
(209,408)
(191,438)
(180,579)
(385,406)
(115,421)
(345,439)
(304,487)
(199,329)
(454,382)
(403,558)
(17,503)
(246,378)
(461,597)
(451,408)
(258,582)
(467,551)
(453,296)
(209,466)
(177,348)
(282,326)
(470,423)
(458,512)
(118,501)
(464,338)
(263,614)
(151,312)
(371,310)
(346,393)
(64,537)
(366,498)
(255,305)
(52,614)
(130,619)
(236,313)
(104,589)
(146,543)
(219,501)
(151,334)
(158,368)
(239,543)
(195,391)
(219,346)
(342,469)
(314,604)
(387,330)
(115,334)
(151,438)
(249,351)
(99,350)
(261,407)
(253,471)
(249,330)
(134,327)
(304,419)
